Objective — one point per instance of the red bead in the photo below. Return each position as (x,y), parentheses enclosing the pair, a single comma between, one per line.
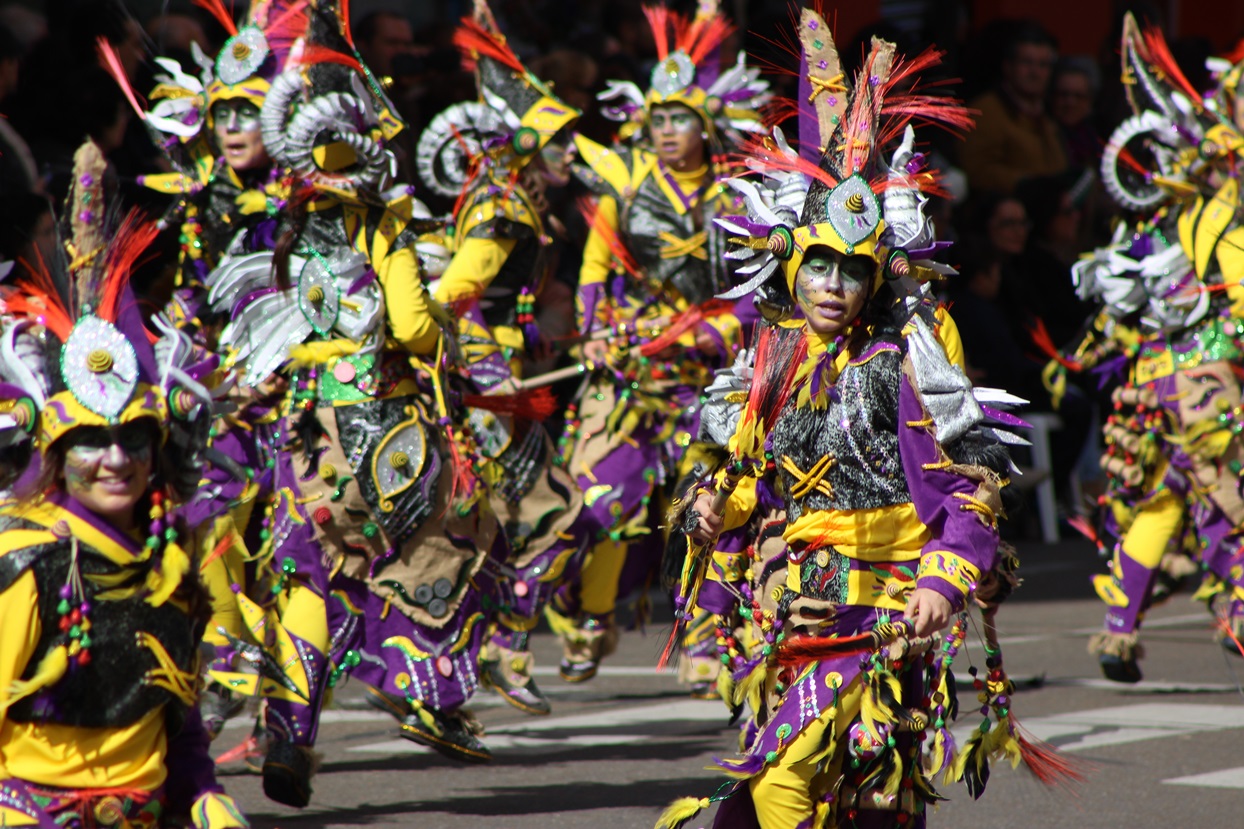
(901,818)
(65,624)
(84,657)
(75,617)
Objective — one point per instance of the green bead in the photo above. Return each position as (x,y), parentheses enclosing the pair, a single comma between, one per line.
(264,535)
(370,530)
(985,726)
(63,607)
(152,542)
(352,658)
(170,534)
(75,632)
(771,757)
(288,566)
(783,731)
(85,641)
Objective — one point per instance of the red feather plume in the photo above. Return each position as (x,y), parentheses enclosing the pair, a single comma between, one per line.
(315,53)
(617,247)
(762,149)
(1162,59)
(130,242)
(473,40)
(536,405)
(658,19)
(217,10)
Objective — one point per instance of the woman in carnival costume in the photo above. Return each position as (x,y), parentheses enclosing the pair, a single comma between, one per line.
(99,574)
(377,526)
(498,156)
(652,265)
(1169,327)
(230,193)
(858,427)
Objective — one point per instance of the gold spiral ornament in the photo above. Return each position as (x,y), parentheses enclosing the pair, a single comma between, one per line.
(328,472)
(99,361)
(855,203)
(315,294)
(399,460)
(240,50)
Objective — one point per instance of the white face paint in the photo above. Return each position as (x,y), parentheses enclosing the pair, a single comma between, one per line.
(236,124)
(107,470)
(831,288)
(677,135)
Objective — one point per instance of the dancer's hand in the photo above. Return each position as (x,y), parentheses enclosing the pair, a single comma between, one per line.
(596,351)
(928,611)
(708,526)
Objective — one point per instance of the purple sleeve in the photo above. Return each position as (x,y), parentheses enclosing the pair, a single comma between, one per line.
(589,297)
(714,596)
(191,770)
(952,529)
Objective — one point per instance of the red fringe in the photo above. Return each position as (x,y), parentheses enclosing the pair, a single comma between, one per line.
(772,384)
(707,37)
(800,650)
(1049,765)
(218,11)
(684,322)
(473,40)
(32,303)
(610,236)
(1041,339)
(674,637)
(1083,526)
(536,405)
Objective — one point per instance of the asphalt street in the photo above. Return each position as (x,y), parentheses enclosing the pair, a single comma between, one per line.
(1164,753)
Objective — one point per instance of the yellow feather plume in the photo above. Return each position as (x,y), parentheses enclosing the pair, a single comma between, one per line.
(51,668)
(174,566)
(681,811)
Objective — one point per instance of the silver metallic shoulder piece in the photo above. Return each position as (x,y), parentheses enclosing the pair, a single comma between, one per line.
(724,399)
(948,396)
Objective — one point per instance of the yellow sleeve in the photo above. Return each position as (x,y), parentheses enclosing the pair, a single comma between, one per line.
(19,607)
(741,505)
(597,256)
(407,303)
(948,333)
(222,556)
(475,264)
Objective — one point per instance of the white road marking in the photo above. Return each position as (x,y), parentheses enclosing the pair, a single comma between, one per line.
(548,735)
(1225,779)
(1099,727)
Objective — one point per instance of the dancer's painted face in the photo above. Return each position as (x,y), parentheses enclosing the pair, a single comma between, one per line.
(107,470)
(556,157)
(677,135)
(236,124)
(831,288)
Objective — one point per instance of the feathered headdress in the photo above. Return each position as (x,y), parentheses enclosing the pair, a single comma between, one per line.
(836,189)
(75,350)
(688,72)
(516,116)
(256,52)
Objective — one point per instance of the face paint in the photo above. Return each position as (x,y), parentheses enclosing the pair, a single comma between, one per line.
(556,157)
(831,288)
(236,125)
(107,470)
(677,135)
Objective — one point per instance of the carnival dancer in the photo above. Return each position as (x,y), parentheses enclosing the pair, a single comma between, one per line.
(103,607)
(378,527)
(654,261)
(498,156)
(1169,326)
(883,459)
(229,193)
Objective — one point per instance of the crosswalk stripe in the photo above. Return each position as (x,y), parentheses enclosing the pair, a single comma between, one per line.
(549,734)
(1224,779)
(1099,727)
